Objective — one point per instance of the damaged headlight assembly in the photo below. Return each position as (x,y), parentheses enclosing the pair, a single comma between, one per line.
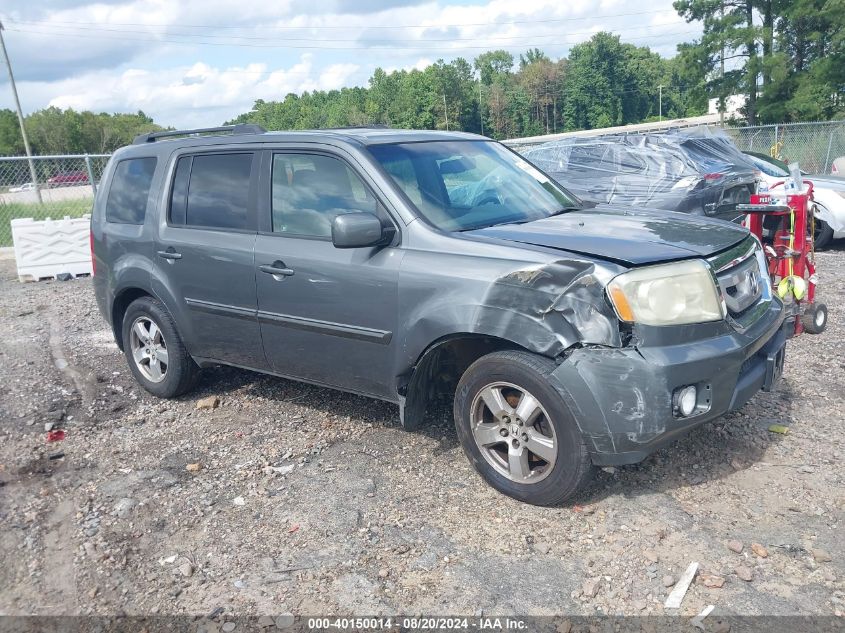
(667,294)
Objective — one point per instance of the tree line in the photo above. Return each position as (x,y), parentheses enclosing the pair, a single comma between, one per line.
(603,82)
(55,131)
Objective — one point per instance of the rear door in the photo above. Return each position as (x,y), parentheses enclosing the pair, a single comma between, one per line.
(205,253)
(330,316)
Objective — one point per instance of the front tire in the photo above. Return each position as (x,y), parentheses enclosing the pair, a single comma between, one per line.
(517,430)
(154,350)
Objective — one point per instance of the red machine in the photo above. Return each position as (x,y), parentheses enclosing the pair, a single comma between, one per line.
(786,232)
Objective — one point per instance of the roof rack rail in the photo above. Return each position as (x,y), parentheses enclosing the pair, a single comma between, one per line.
(372,126)
(240,128)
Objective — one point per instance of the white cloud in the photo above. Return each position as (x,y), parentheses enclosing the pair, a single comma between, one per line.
(199,96)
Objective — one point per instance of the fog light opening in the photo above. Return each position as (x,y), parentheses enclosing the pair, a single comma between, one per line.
(686,399)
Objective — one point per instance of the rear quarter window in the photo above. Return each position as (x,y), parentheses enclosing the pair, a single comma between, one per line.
(129,191)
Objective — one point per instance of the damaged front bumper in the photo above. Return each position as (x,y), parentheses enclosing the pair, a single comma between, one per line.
(622,398)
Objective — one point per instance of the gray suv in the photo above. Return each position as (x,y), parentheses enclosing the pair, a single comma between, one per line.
(405,265)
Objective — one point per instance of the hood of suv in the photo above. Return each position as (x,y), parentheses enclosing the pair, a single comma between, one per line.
(623,234)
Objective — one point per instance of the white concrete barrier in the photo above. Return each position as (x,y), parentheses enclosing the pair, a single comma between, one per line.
(48,248)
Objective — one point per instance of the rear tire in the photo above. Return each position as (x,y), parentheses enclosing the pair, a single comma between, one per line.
(154,350)
(505,408)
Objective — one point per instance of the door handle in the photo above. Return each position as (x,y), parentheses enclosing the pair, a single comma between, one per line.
(169,254)
(276,269)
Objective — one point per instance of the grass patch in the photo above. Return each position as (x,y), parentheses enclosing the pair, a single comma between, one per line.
(54,210)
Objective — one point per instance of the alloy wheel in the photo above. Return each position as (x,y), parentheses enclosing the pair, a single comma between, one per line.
(513,432)
(149,350)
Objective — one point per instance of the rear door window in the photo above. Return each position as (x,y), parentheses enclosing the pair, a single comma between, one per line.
(130,191)
(212,191)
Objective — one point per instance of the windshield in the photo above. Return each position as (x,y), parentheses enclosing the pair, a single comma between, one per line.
(463,185)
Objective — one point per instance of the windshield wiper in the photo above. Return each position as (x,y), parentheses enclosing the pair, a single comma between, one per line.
(487,226)
(563,210)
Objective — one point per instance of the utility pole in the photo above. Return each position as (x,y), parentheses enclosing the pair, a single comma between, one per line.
(660,102)
(722,70)
(20,118)
(446,111)
(481,108)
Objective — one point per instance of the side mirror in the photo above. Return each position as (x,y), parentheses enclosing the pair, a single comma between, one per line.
(359,229)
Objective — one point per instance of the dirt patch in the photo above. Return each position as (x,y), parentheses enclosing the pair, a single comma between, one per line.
(292,498)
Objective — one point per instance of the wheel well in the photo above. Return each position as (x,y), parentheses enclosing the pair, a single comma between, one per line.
(118,309)
(438,370)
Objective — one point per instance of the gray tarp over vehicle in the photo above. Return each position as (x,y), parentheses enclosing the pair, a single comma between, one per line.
(696,171)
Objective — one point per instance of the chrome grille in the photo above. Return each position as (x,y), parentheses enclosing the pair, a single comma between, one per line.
(741,285)
(743,282)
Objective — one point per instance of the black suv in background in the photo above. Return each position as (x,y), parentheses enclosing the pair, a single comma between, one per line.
(403,265)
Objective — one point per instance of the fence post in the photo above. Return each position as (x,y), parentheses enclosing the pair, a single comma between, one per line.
(90,174)
(829,147)
(775,151)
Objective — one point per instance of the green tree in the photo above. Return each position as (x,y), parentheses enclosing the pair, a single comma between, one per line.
(790,62)
(531,56)
(596,80)
(492,65)
(11,142)
(730,34)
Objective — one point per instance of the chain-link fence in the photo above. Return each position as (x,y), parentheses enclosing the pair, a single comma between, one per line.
(813,145)
(62,186)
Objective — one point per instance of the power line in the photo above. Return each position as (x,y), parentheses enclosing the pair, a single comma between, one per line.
(395,26)
(356,40)
(330,48)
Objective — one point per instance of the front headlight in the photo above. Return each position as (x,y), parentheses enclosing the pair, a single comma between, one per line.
(668,294)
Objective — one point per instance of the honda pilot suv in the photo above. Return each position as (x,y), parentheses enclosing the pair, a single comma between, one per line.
(405,265)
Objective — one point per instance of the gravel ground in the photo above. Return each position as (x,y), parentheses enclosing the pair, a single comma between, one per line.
(291,498)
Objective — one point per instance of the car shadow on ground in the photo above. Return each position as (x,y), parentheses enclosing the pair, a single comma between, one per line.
(224,380)
(837,245)
(709,452)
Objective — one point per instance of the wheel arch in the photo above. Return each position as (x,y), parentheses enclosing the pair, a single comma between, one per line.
(122,301)
(438,369)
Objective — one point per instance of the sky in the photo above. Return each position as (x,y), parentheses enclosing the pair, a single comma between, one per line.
(194,63)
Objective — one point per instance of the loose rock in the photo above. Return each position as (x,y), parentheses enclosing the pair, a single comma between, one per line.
(590,587)
(759,550)
(821,555)
(211,402)
(744,573)
(712,581)
(734,546)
